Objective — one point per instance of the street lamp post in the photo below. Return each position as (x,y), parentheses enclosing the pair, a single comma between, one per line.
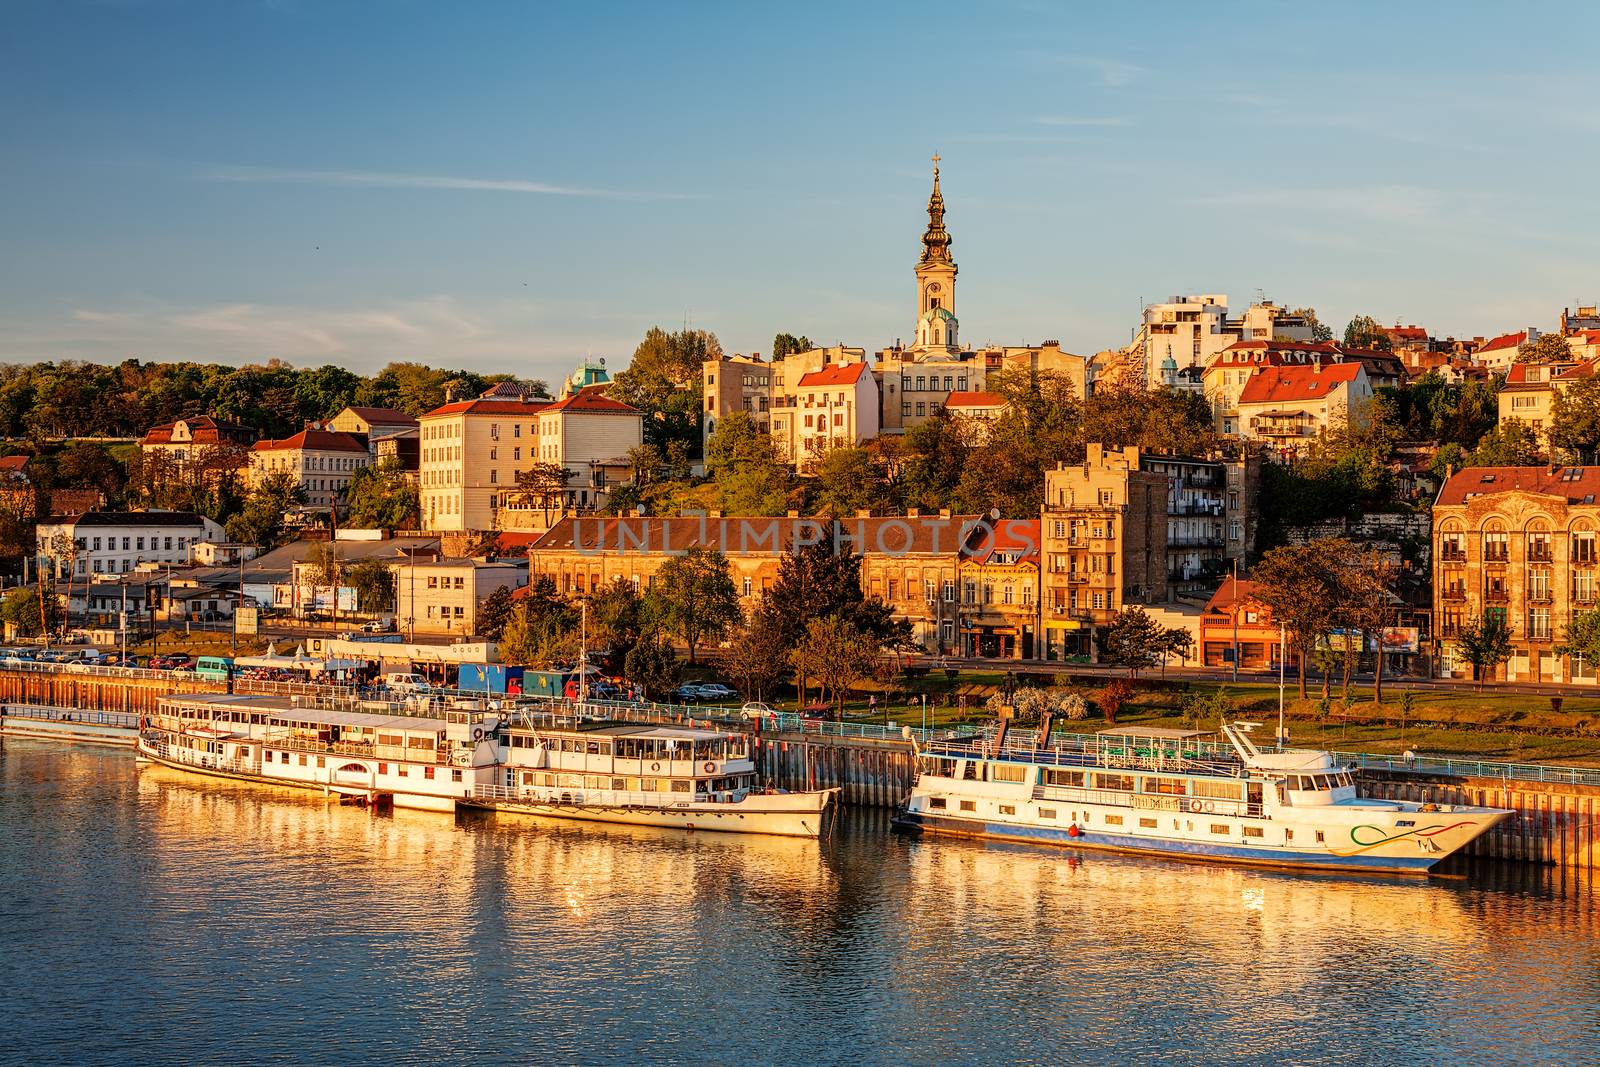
(1282,660)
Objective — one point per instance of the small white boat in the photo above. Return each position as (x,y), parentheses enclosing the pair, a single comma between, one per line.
(1170,792)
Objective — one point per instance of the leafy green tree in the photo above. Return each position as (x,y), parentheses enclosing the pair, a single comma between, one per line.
(495,612)
(1510,444)
(325,391)
(1135,640)
(1546,348)
(664,381)
(1582,637)
(934,454)
(262,520)
(847,481)
(837,654)
(1300,586)
(1364,331)
(787,344)
(373,581)
(381,497)
(1319,331)
(755,659)
(544,484)
(653,666)
(20,609)
(541,628)
(1485,643)
(1575,418)
(743,462)
(616,619)
(693,598)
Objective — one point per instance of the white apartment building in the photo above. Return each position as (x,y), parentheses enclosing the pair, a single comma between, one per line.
(321,460)
(472,450)
(1286,407)
(1189,331)
(116,542)
(835,407)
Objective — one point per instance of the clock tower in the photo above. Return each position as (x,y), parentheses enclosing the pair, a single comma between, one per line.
(936,279)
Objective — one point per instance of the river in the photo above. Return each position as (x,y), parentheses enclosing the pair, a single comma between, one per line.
(153,917)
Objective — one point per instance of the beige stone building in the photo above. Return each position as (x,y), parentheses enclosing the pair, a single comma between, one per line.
(999,582)
(371,422)
(1104,546)
(1517,543)
(443,596)
(1232,369)
(975,411)
(204,447)
(470,452)
(321,460)
(1286,408)
(1530,389)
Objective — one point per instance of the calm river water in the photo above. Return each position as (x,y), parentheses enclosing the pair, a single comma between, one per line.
(147,916)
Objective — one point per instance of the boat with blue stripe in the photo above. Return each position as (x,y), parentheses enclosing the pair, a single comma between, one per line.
(1178,793)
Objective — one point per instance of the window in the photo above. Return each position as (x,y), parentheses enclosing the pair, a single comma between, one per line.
(1219,827)
(1252,831)
(1147,824)
(936,803)
(1113,820)
(969,805)
(1120,782)
(1008,809)
(747,585)
(1010,772)
(1047,813)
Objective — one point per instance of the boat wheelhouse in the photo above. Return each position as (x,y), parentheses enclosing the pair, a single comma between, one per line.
(644,774)
(1174,792)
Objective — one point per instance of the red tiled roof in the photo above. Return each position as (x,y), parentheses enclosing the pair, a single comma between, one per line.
(1572,483)
(316,440)
(1231,591)
(975,399)
(1305,353)
(1406,333)
(757,535)
(1505,340)
(593,399)
(203,430)
(489,407)
(383,416)
(1006,535)
(1287,385)
(834,374)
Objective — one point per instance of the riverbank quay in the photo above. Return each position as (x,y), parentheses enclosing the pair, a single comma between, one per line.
(1557,809)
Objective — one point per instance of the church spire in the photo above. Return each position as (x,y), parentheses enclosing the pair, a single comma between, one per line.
(936,242)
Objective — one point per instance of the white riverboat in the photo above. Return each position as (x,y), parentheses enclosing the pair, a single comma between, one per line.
(410,761)
(644,774)
(467,755)
(1171,792)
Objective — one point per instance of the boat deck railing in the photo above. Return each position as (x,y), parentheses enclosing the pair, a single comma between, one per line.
(204,760)
(570,796)
(54,713)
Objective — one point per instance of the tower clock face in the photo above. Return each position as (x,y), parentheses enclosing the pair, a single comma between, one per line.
(933,287)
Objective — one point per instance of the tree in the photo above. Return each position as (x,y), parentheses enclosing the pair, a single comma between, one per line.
(495,612)
(1369,604)
(1113,698)
(1582,637)
(1546,348)
(755,658)
(787,344)
(381,497)
(20,609)
(693,597)
(652,666)
(1510,444)
(664,381)
(751,478)
(1484,642)
(934,455)
(542,483)
(1299,585)
(837,654)
(847,481)
(1575,418)
(1319,331)
(261,521)
(616,619)
(373,582)
(1134,640)
(1363,331)
(541,627)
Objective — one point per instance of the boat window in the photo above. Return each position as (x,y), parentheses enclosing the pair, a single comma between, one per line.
(1252,831)
(944,768)
(1220,790)
(1122,782)
(969,773)
(936,802)
(649,785)
(1010,772)
(1219,827)
(1047,813)
(1056,776)
(1008,809)
(969,805)
(619,784)
(1113,820)
(593,748)
(1147,824)
(1405,822)
(681,785)
(1168,786)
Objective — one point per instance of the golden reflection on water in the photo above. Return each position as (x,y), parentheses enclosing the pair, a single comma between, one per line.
(274,916)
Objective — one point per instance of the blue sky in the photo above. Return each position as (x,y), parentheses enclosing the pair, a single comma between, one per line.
(513,186)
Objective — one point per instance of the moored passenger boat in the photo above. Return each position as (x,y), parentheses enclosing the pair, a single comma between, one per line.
(644,775)
(1171,792)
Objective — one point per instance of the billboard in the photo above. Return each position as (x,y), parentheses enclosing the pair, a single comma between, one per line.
(1399,639)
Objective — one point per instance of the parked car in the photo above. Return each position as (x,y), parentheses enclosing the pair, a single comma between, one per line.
(407,683)
(171,662)
(717,693)
(685,694)
(378,626)
(755,709)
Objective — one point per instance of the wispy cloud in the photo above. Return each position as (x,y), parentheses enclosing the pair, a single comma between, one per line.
(362,179)
(1388,204)
(1113,73)
(1082,120)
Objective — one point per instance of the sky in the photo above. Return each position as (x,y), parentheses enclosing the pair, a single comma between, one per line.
(517,186)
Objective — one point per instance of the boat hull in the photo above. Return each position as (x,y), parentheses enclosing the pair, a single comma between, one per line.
(806,814)
(1393,860)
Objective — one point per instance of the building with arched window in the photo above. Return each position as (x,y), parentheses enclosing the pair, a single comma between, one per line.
(1517,545)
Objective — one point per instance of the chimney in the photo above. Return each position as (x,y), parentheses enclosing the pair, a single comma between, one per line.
(864,513)
(912,513)
(714,515)
(944,513)
(794,514)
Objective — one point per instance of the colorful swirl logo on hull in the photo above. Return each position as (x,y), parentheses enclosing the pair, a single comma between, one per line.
(1384,837)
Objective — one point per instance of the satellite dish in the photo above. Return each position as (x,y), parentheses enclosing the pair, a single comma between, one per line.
(602,361)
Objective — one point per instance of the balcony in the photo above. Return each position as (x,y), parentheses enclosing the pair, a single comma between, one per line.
(1496,596)
(1195,541)
(1452,554)
(1453,596)
(1539,554)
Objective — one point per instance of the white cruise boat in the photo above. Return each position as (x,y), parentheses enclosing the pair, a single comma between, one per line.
(644,775)
(1170,792)
(410,761)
